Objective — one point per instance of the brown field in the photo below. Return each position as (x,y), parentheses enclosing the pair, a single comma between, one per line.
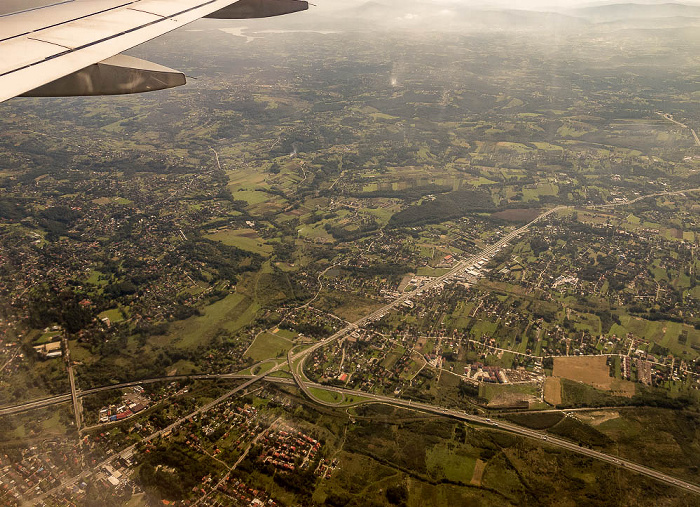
(590,370)
(405,281)
(511,399)
(622,388)
(552,391)
(478,474)
(597,418)
(518,215)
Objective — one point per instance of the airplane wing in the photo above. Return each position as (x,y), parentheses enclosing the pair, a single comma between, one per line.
(71,47)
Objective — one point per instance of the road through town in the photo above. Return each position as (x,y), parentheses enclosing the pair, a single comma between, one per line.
(296,362)
(374,398)
(509,427)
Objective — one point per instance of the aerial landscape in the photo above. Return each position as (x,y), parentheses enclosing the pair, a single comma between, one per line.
(439,253)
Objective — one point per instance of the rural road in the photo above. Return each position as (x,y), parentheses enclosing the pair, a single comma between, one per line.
(371,398)
(503,426)
(296,364)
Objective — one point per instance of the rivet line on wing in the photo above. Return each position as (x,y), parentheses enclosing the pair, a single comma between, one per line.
(69,20)
(100,41)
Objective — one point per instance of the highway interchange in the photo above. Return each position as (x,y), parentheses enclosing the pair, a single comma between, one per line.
(306,386)
(296,362)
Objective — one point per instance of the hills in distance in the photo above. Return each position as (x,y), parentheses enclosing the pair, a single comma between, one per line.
(458,15)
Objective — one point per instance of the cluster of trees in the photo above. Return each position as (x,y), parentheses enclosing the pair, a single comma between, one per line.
(468,390)
(225,261)
(57,220)
(343,234)
(177,474)
(47,307)
(539,245)
(120,289)
(444,207)
(308,329)
(578,395)
(607,319)
(137,363)
(397,494)
(11,209)
(383,269)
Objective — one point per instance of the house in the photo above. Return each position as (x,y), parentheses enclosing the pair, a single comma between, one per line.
(49,350)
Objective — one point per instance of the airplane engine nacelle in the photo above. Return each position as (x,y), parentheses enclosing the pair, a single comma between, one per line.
(246,9)
(117,75)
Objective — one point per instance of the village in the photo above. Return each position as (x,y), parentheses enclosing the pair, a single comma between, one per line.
(226,434)
(359,216)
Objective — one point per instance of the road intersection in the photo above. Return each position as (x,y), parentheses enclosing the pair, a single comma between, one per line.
(296,363)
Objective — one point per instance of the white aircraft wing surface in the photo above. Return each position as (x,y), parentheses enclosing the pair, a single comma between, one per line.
(72,47)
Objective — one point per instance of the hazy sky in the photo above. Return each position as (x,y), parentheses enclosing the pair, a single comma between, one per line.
(328,5)
(331,5)
(512,4)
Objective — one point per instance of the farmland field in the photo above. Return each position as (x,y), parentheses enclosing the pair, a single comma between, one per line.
(268,345)
(552,391)
(245,239)
(590,370)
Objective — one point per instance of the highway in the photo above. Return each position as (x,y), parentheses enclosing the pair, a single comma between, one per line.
(296,362)
(377,314)
(669,117)
(460,267)
(64,398)
(509,427)
(305,386)
(73,390)
(372,398)
(642,197)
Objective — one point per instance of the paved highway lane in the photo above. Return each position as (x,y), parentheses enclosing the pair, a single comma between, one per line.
(373,398)
(296,362)
(459,268)
(32,405)
(519,430)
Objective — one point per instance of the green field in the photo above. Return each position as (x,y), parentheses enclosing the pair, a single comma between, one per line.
(80,353)
(114,315)
(326,396)
(231,313)
(454,464)
(245,239)
(252,196)
(665,333)
(48,337)
(577,394)
(393,356)
(268,345)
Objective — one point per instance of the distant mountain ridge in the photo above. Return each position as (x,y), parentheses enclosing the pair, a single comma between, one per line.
(631,11)
(410,14)
(417,14)
(436,16)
